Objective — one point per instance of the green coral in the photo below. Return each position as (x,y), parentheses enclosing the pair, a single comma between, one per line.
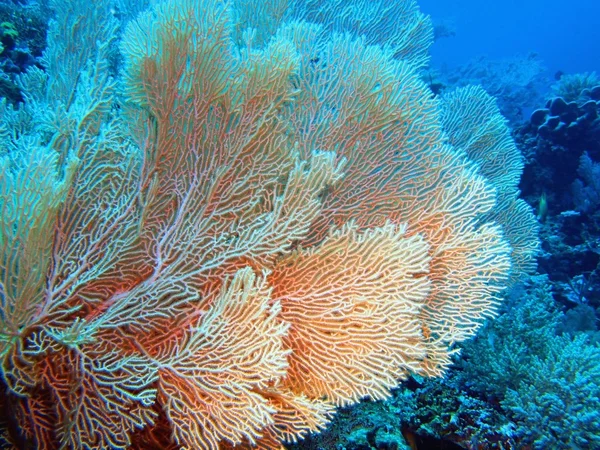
(558,403)
(546,381)
(8,35)
(9,29)
(574,87)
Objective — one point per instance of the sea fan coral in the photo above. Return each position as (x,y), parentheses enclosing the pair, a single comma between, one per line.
(231,239)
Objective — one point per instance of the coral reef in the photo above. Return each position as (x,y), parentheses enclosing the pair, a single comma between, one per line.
(516,83)
(211,241)
(561,146)
(543,374)
(22,41)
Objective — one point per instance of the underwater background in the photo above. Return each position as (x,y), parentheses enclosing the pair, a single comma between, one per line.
(564,34)
(318,224)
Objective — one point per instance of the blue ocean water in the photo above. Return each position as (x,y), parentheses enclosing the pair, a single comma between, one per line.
(566,35)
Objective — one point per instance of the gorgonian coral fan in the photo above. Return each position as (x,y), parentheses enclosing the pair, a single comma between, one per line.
(232,237)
